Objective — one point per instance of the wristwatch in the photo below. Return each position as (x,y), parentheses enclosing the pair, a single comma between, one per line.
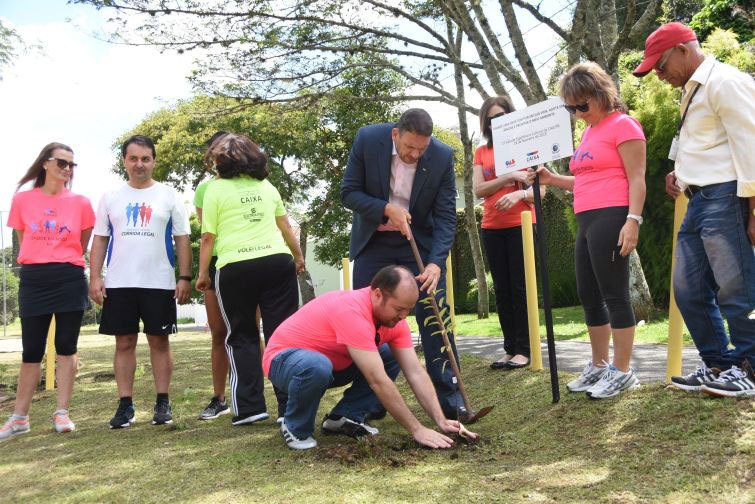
(636,217)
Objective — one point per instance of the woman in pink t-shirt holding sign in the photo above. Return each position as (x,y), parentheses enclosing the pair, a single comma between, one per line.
(53,226)
(608,182)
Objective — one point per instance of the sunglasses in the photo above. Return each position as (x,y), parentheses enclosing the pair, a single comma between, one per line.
(583,107)
(490,119)
(659,68)
(63,163)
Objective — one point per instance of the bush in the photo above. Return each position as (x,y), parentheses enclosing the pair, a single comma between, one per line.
(559,233)
(11,298)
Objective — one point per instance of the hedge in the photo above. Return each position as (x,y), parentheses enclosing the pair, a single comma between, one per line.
(559,235)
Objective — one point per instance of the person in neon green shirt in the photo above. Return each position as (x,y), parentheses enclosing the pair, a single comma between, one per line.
(244,219)
(218,357)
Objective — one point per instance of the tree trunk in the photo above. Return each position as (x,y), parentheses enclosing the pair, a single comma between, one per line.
(639,293)
(306,288)
(483,306)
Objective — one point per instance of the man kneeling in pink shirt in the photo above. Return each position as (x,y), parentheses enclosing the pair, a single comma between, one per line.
(360,338)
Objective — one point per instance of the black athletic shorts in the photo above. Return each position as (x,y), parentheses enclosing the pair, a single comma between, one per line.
(124,307)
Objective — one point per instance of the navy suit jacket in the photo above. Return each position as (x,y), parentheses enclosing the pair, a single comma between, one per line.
(366,185)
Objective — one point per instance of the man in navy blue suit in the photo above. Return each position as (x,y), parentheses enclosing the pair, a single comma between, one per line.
(399,182)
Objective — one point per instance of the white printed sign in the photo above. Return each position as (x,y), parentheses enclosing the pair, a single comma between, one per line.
(531,136)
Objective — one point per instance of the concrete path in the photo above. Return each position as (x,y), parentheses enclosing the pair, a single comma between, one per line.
(648,360)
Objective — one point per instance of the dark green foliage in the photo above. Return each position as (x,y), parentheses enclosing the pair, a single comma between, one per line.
(655,105)
(559,241)
(735,15)
(560,249)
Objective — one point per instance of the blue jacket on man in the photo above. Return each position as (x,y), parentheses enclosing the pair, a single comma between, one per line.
(366,185)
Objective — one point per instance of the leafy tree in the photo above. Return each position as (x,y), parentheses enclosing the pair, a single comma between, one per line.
(9,42)
(307,148)
(735,15)
(294,50)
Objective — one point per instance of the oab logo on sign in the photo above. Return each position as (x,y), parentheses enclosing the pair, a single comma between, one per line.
(510,162)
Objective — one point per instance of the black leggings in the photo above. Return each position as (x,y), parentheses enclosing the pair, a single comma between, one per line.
(34,334)
(602,274)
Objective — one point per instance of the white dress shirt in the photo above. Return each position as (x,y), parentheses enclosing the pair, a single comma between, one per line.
(716,140)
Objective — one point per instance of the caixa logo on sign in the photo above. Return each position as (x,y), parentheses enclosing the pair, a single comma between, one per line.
(533,156)
(511,162)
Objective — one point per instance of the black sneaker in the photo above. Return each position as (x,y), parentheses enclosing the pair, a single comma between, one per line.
(734,382)
(334,424)
(162,414)
(215,409)
(124,417)
(696,379)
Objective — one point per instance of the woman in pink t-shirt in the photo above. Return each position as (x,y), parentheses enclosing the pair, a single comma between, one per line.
(505,198)
(53,226)
(608,181)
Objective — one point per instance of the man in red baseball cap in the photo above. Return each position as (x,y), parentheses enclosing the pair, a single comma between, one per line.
(660,41)
(714,277)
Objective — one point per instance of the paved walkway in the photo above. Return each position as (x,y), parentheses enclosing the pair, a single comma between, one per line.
(571,356)
(648,360)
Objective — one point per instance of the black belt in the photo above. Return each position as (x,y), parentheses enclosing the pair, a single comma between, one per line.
(691,190)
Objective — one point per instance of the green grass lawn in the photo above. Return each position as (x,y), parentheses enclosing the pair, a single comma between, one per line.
(651,445)
(568,324)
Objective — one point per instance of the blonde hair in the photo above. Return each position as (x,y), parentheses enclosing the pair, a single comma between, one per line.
(588,81)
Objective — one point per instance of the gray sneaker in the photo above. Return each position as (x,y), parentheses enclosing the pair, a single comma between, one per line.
(612,383)
(215,409)
(589,377)
(696,379)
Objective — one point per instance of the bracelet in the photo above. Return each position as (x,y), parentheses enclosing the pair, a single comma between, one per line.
(185,277)
(525,194)
(635,217)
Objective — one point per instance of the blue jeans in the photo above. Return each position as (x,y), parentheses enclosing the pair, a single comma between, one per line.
(715,276)
(389,247)
(306,375)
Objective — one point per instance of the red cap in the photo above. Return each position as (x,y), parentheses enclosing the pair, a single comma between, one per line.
(662,39)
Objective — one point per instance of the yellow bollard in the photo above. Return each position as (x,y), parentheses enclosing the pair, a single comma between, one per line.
(346,273)
(675,321)
(50,361)
(450,292)
(530,280)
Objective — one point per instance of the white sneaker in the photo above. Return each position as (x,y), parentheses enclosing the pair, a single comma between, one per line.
(612,383)
(294,442)
(13,427)
(589,377)
(61,422)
